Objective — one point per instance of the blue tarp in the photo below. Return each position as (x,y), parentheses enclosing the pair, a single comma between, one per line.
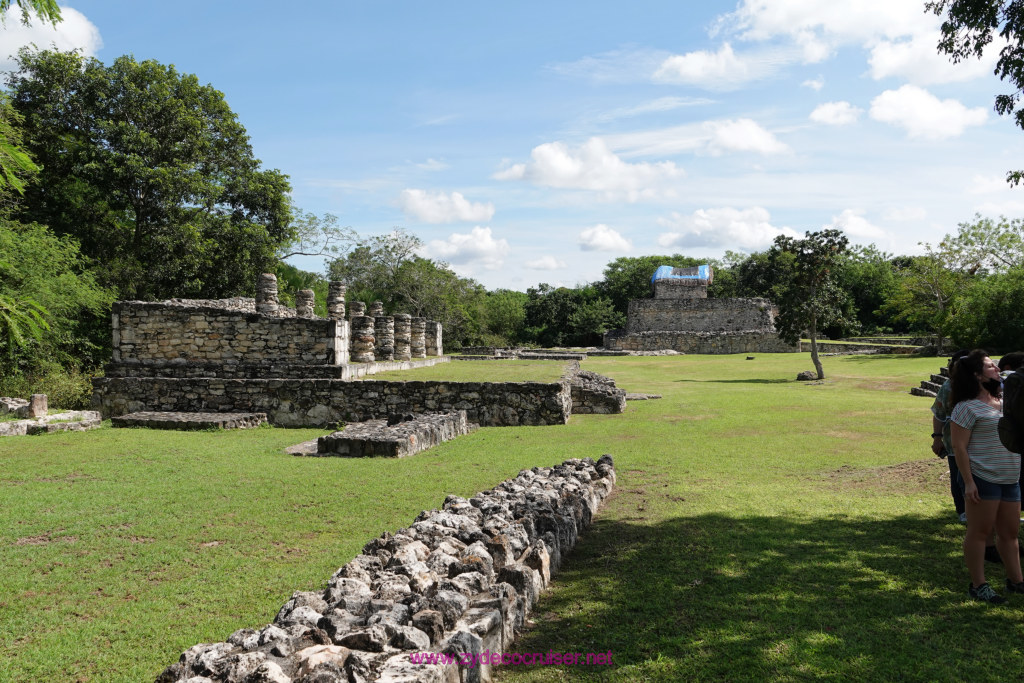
(672,273)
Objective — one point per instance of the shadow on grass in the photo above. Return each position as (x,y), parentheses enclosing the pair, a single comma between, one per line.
(774,598)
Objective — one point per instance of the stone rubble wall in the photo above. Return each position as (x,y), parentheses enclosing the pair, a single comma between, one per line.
(162,332)
(321,402)
(700,315)
(189,421)
(594,394)
(395,437)
(698,342)
(462,579)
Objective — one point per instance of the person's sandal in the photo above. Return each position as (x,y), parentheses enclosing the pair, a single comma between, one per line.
(1012,587)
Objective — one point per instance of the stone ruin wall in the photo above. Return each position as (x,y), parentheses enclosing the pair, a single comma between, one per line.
(700,315)
(462,579)
(166,333)
(323,402)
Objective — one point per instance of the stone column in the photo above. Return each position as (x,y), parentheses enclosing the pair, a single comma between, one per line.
(376,309)
(403,331)
(304,300)
(433,338)
(336,300)
(362,339)
(384,331)
(356,309)
(266,294)
(417,342)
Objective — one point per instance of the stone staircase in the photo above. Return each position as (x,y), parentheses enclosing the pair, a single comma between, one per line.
(930,386)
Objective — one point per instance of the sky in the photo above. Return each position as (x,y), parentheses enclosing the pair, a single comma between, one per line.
(535,142)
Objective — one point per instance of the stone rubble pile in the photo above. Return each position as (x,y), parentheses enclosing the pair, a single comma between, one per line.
(458,580)
(35,417)
(395,437)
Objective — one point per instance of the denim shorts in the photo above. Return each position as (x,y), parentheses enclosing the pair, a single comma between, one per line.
(1008,493)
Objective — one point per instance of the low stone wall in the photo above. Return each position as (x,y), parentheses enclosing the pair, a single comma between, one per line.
(163,331)
(182,369)
(189,421)
(394,437)
(852,348)
(321,402)
(698,342)
(595,394)
(460,580)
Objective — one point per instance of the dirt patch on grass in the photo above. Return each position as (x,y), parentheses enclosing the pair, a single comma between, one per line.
(916,475)
(45,539)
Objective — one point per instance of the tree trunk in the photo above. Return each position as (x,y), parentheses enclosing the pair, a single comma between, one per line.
(814,347)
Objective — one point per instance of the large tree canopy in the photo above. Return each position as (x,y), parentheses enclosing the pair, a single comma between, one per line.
(969,26)
(151,171)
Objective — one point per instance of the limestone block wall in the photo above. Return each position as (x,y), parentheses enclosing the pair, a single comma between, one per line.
(698,342)
(459,580)
(700,315)
(322,402)
(166,332)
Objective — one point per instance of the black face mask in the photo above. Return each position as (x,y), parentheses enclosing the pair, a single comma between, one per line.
(992,386)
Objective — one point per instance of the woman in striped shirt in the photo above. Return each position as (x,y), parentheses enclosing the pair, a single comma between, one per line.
(988,473)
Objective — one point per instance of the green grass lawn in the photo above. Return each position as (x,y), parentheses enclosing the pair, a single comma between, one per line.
(481,371)
(762,529)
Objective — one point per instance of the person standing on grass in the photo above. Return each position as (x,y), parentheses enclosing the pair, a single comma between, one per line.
(943,447)
(987,471)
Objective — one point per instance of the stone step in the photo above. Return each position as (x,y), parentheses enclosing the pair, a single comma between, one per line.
(930,386)
(918,391)
(189,421)
(394,438)
(939,379)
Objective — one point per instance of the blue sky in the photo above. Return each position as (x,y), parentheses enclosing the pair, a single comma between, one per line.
(535,142)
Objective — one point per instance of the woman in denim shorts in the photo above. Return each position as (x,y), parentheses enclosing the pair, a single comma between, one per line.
(988,473)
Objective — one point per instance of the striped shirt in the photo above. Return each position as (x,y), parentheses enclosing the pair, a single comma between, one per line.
(989,459)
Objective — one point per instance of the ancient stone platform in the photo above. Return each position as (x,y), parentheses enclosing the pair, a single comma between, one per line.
(189,421)
(395,437)
(70,421)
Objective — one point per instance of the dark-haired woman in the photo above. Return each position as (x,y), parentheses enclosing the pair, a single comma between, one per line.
(988,473)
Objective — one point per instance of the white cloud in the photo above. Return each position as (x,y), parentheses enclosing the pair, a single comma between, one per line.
(836,113)
(923,115)
(478,247)
(592,166)
(988,184)
(75,32)
(546,263)
(662,104)
(709,137)
(438,207)
(743,135)
(918,61)
(728,228)
(814,83)
(616,66)
(854,224)
(432,165)
(819,26)
(722,70)
(602,238)
(901,214)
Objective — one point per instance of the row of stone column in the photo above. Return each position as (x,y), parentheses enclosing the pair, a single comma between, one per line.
(373,337)
(394,338)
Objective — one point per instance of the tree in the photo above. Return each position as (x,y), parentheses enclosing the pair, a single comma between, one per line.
(151,172)
(868,275)
(47,10)
(314,235)
(505,316)
(812,297)
(985,245)
(969,26)
(928,286)
(981,319)
(16,167)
